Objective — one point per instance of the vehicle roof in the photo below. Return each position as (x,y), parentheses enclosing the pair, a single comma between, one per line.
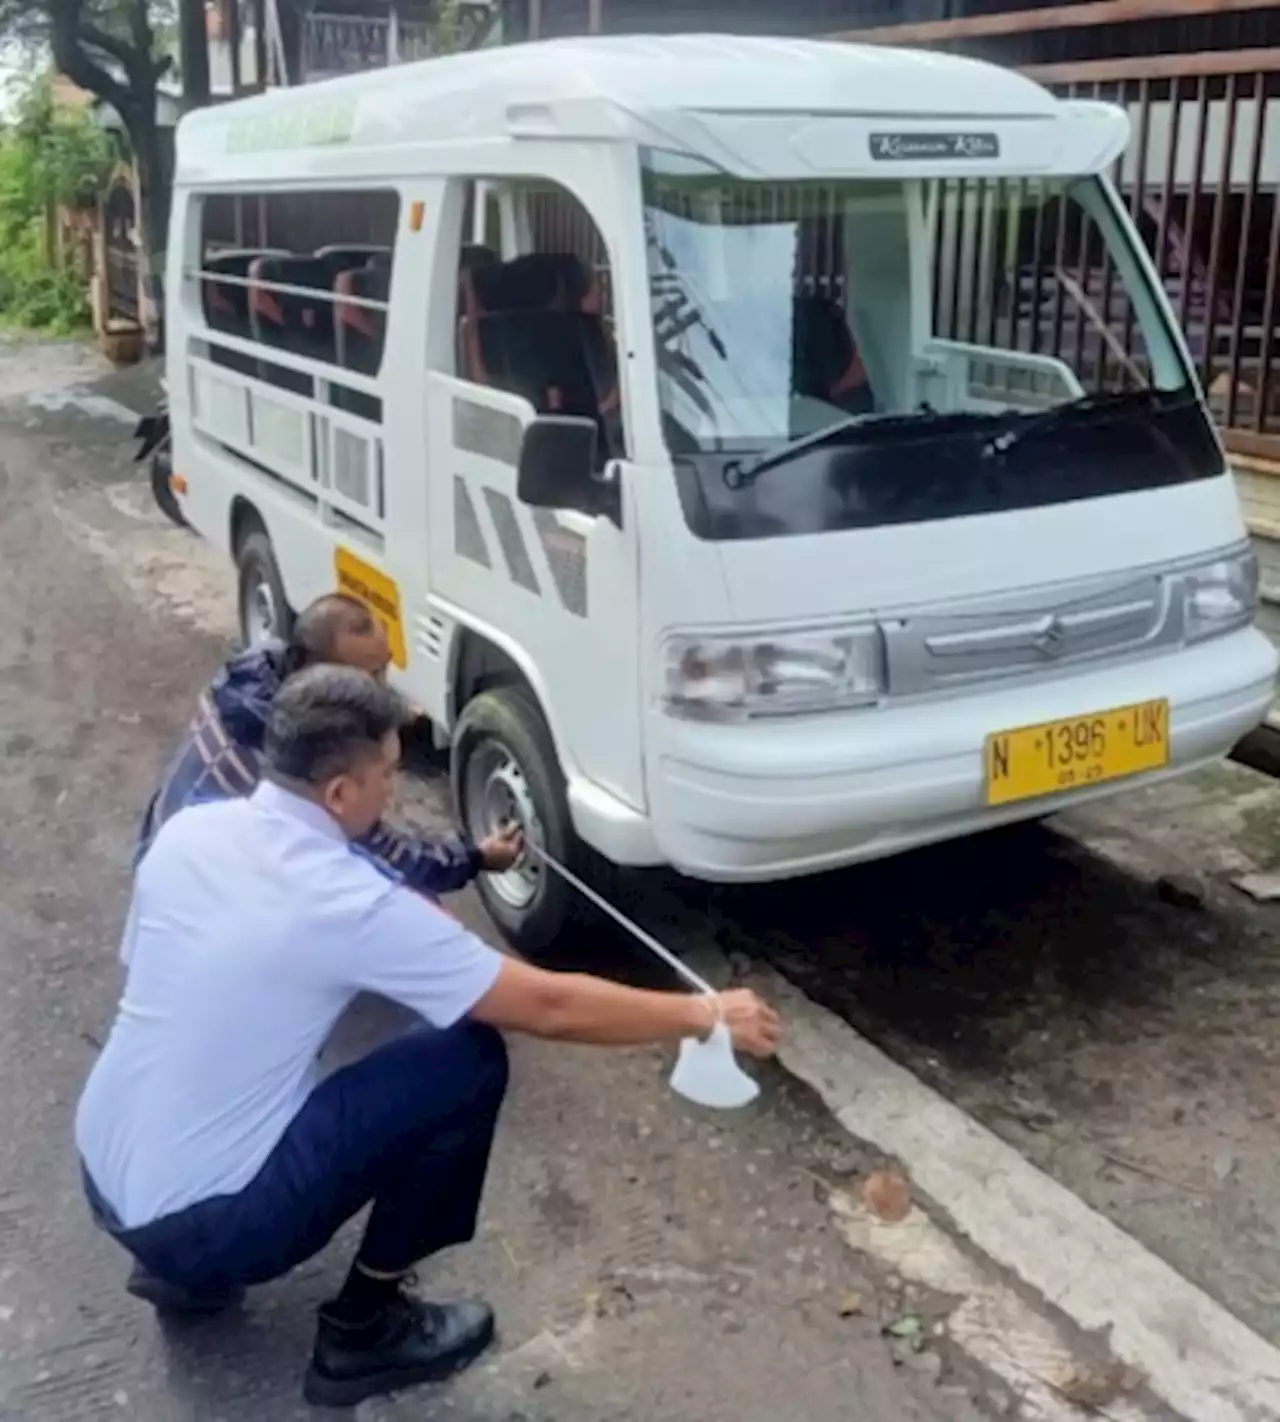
(618,88)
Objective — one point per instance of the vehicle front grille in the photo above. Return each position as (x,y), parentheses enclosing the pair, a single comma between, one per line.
(1034,631)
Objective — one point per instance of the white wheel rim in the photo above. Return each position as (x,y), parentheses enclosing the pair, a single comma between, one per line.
(496,793)
(260,618)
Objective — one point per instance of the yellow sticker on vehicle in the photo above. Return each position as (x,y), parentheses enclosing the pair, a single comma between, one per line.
(1079,751)
(379,594)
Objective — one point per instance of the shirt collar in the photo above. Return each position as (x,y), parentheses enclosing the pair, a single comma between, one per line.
(277,800)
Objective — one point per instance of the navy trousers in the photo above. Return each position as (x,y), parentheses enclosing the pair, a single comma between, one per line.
(408,1127)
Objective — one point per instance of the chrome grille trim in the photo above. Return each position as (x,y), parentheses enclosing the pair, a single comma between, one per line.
(1037,631)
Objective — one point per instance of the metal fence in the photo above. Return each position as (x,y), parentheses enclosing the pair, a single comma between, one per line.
(1201,176)
(333,45)
(1202,180)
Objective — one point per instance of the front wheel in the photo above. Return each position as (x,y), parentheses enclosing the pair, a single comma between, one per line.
(503,768)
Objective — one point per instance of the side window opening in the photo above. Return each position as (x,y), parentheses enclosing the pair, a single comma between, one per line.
(303,274)
(539,322)
(300,282)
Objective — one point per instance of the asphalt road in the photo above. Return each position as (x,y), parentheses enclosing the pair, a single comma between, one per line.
(647,1262)
(1113,1025)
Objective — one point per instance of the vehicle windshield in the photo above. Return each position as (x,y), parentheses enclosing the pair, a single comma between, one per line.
(895,315)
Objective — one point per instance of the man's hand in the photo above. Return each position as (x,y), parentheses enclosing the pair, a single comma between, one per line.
(753,1025)
(572,1007)
(500,851)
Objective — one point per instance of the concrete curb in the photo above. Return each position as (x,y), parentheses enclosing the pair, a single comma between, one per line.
(1198,1358)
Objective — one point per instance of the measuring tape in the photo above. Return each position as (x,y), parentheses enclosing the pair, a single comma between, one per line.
(620,918)
(706,1071)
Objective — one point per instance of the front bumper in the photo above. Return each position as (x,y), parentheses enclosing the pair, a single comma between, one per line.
(773,800)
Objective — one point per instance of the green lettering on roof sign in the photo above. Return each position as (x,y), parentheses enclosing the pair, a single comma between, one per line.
(306,126)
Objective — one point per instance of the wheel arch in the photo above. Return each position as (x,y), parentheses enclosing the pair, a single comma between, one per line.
(484,660)
(244,518)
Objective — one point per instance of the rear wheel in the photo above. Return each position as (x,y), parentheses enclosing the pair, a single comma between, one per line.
(265,614)
(504,768)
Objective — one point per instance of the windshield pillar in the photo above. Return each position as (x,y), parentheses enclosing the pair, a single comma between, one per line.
(631,309)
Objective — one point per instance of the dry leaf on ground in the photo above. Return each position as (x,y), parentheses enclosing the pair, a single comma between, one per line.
(1089,1386)
(887,1195)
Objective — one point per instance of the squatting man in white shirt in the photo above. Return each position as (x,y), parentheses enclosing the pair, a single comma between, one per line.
(212,1152)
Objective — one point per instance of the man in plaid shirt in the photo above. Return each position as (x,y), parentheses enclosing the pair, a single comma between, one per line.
(221,755)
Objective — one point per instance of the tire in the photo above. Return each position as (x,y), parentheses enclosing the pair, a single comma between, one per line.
(264,609)
(501,740)
(166,499)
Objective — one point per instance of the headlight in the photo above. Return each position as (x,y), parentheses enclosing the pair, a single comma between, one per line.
(736,679)
(1221,596)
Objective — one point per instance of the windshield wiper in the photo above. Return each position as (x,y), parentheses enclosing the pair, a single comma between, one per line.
(1111,400)
(738,475)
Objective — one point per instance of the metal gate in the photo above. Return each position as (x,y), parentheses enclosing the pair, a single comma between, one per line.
(120,255)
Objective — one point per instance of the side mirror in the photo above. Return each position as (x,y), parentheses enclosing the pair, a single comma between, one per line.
(557,466)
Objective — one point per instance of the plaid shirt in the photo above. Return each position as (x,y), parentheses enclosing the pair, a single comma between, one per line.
(221,757)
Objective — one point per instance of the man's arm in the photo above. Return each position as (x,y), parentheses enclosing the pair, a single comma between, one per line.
(447,865)
(574,1007)
(409,950)
(439,868)
(206,766)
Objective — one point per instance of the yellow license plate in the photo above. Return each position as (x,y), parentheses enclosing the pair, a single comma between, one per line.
(1080,751)
(378,593)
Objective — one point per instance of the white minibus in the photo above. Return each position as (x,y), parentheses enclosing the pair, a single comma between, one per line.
(764,455)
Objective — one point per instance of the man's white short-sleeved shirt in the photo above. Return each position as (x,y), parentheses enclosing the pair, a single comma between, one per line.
(253,924)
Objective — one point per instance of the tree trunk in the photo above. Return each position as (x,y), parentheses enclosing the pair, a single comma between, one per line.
(154,195)
(152,189)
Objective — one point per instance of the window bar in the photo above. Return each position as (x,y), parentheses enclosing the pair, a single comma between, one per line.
(937,235)
(1106,274)
(1138,204)
(1168,192)
(1244,244)
(1037,268)
(979,192)
(1268,319)
(957,252)
(1198,148)
(1221,198)
(1002,224)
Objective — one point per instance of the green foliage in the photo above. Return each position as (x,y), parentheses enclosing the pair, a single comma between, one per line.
(49,154)
(37,294)
(49,158)
(458,25)
(109,48)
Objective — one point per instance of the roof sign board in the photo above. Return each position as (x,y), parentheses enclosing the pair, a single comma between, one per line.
(915,147)
(314,125)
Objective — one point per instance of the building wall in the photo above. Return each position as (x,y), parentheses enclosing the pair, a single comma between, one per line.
(807,17)
(1194,34)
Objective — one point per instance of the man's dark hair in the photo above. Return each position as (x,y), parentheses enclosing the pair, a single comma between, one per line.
(326,719)
(318,626)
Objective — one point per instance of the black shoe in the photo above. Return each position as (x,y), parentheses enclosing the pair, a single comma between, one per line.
(411,1342)
(177,1300)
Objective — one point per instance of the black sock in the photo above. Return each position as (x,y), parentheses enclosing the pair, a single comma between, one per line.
(365,1295)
